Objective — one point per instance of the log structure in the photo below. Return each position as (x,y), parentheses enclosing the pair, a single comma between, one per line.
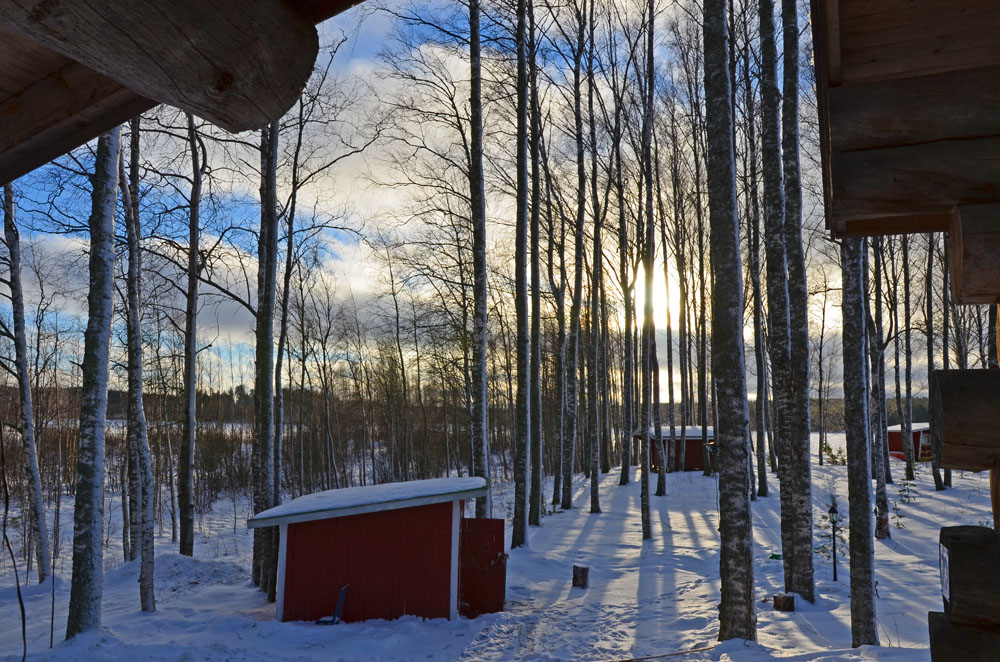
(909,112)
(909,124)
(72,69)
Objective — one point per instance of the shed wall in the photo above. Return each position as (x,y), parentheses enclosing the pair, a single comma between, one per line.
(396,562)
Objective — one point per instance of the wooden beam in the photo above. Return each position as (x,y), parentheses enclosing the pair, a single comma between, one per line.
(924,109)
(238,64)
(891,39)
(320,10)
(965,419)
(58,113)
(974,251)
(898,224)
(915,179)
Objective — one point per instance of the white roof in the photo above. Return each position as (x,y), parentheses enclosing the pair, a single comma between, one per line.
(917,427)
(690,432)
(369,498)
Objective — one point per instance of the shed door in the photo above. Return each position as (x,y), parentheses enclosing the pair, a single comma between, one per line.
(482,567)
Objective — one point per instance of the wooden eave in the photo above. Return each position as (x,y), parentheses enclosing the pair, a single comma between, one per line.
(72,69)
(909,111)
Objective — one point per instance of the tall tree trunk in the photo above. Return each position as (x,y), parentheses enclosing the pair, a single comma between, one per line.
(138,439)
(945,332)
(877,372)
(798,313)
(862,547)
(185,456)
(535,497)
(596,323)
(477,194)
(262,460)
(36,504)
(907,423)
(573,341)
(929,322)
(778,294)
(87,584)
(737,614)
(522,413)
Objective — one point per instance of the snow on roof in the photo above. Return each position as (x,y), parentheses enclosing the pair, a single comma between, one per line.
(689,432)
(917,427)
(369,498)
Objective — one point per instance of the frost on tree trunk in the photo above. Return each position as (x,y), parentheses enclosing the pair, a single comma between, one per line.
(185,456)
(737,615)
(138,440)
(262,456)
(862,545)
(27,424)
(799,471)
(87,585)
(477,194)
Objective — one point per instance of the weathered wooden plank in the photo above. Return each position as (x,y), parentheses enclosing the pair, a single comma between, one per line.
(950,642)
(974,248)
(902,38)
(970,596)
(898,224)
(823,52)
(240,65)
(915,179)
(59,113)
(923,109)
(965,418)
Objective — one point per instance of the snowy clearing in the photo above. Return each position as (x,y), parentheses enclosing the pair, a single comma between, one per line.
(644,599)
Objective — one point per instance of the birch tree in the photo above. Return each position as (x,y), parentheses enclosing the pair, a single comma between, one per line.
(87,583)
(737,613)
(862,545)
(26,421)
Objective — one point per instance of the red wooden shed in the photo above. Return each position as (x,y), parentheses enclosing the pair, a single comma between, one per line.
(694,458)
(921,442)
(399,548)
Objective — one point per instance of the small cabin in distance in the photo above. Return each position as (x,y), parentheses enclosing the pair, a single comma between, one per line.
(921,440)
(693,455)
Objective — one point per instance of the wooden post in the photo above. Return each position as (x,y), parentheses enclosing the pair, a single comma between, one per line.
(995,495)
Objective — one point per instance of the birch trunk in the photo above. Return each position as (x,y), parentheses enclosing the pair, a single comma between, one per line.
(596,323)
(862,546)
(522,413)
(138,439)
(737,615)
(185,456)
(535,397)
(477,194)
(87,584)
(907,423)
(36,504)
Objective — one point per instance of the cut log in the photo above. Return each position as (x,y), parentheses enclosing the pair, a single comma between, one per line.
(974,247)
(951,642)
(965,419)
(240,65)
(581,576)
(970,595)
(784,601)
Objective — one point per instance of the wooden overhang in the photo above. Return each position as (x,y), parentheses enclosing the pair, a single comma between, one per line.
(909,112)
(72,69)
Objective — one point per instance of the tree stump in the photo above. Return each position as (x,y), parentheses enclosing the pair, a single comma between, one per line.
(581,576)
(784,601)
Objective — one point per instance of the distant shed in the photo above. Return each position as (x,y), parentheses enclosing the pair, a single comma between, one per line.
(921,442)
(398,547)
(694,456)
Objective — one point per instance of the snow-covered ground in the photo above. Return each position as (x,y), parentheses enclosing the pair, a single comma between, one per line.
(645,599)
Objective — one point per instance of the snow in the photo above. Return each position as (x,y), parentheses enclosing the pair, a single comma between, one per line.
(917,427)
(651,598)
(368,498)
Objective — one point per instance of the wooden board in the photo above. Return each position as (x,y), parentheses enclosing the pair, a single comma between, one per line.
(965,419)
(974,251)
(973,595)
(960,643)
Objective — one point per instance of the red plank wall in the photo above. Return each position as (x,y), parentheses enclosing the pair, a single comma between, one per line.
(396,562)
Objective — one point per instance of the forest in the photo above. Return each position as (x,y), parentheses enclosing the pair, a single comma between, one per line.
(524,240)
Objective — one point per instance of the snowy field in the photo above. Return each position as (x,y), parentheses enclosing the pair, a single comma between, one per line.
(645,600)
